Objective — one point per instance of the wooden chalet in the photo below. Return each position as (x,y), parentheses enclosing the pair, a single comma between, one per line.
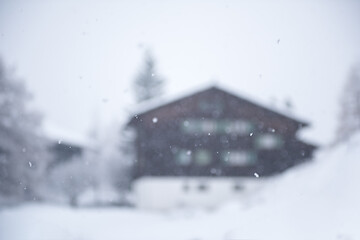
(216,133)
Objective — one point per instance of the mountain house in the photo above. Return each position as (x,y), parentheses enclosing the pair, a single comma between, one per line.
(211,138)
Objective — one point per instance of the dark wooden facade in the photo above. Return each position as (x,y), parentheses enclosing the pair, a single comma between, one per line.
(216,133)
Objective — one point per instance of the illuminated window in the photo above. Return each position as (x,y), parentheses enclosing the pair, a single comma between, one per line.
(269,141)
(202,157)
(191,126)
(241,127)
(239,158)
(205,126)
(183,157)
(224,126)
(208,126)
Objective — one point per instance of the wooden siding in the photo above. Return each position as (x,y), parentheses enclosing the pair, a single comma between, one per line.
(161,130)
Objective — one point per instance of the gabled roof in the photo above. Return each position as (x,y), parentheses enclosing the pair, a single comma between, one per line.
(156,103)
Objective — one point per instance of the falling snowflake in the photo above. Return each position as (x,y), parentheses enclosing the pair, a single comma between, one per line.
(154,120)
(271,129)
(256,175)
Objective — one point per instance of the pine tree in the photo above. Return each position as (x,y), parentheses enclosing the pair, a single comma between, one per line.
(22,150)
(148,84)
(349,122)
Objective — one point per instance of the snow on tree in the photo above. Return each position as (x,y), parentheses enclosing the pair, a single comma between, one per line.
(23,151)
(114,158)
(349,122)
(148,84)
(73,177)
(102,169)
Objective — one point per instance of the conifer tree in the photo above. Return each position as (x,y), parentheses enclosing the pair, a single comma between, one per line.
(349,121)
(148,84)
(22,151)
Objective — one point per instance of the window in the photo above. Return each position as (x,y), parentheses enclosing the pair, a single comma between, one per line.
(241,127)
(208,126)
(203,126)
(239,158)
(203,157)
(183,157)
(269,141)
(190,126)
(225,126)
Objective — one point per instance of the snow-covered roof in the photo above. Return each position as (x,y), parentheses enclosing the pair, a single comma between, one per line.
(154,103)
(61,135)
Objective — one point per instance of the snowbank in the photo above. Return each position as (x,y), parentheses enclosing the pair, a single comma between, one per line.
(319,200)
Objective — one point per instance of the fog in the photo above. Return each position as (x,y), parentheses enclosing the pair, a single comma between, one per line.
(179,119)
(79,58)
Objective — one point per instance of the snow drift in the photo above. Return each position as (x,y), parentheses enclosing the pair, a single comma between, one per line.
(318,200)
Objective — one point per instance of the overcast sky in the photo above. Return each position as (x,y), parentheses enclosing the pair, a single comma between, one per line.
(79,57)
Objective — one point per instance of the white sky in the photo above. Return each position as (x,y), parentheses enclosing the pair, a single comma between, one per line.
(79,57)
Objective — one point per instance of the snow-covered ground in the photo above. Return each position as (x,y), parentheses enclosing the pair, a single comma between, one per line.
(319,200)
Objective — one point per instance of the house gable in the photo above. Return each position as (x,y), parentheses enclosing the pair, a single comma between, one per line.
(215,103)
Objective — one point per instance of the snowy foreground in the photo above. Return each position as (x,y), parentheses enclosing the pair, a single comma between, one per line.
(320,200)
